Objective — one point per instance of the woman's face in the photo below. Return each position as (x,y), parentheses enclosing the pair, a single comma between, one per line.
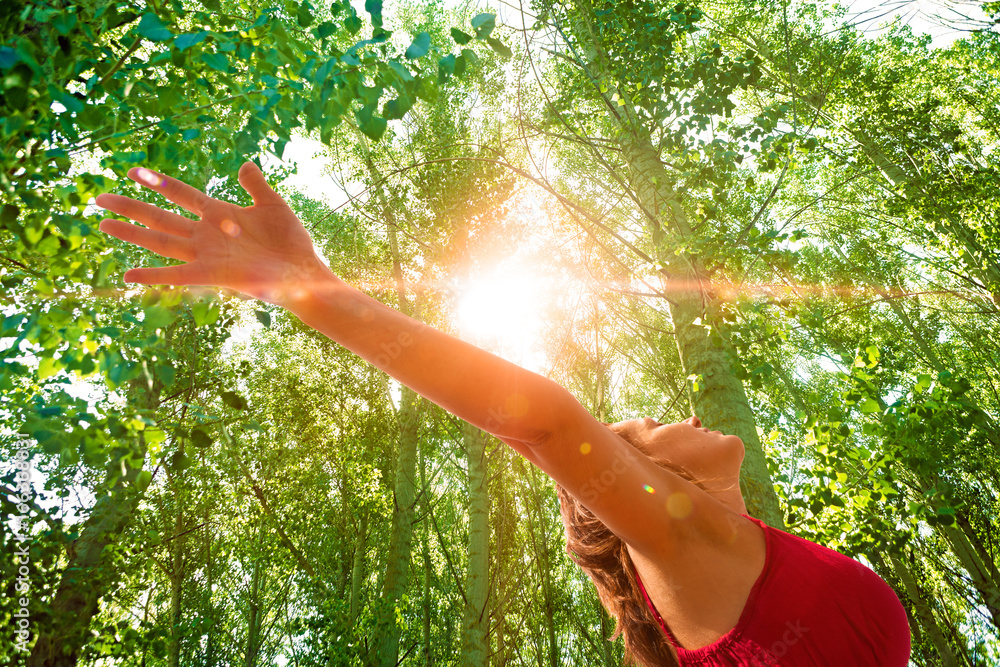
(707,455)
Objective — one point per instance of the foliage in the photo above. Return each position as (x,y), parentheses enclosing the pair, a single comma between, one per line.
(219,497)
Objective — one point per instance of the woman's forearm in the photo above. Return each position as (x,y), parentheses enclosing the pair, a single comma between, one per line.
(481,388)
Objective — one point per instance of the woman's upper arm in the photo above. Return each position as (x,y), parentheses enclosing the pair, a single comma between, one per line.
(650,508)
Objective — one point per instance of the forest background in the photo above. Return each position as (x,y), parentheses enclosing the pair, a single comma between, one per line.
(754,210)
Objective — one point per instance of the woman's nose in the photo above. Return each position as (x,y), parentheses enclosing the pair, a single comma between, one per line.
(695,421)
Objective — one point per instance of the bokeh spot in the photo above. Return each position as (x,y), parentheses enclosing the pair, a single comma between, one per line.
(230,227)
(679,505)
(149,177)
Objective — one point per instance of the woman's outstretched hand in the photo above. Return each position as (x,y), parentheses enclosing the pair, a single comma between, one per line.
(261,250)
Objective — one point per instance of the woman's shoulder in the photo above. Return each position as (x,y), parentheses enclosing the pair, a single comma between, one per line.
(812,598)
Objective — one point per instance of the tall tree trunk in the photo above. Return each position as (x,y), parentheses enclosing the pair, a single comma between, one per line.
(176,589)
(475,618)
(606,631)
(721,401)
(426,549)
(538,533)
(923,612)
(86,576)
(980,573)
(507,559)
(254,616)
(358,569)
(990,563)
(401,538)
(210,610)
(977,569)
(176,574)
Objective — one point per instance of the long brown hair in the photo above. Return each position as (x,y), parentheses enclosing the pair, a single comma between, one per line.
(605,558)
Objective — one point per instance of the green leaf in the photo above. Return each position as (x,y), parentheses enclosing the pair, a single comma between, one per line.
(179,461)
(167,126)
(399,69)
(470,57)
(111,332)
(304,14)
(245,144)
(461,38)
(234,400)
(64,22)
(397,108)
(143,479)
(186,41)
(499,47)
(446,67)
(484,25)
(153,29)
(8,215)
(12,323)
(419,47)
(374,8)
(371,125)
(869,406)
(324,30)
(154,436)
(353,24)
(216,61)
(48,367)
(264,318)
(199,438)
(156,317)
(166,372)
(205,312)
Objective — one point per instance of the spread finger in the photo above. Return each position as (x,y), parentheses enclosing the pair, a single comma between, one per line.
(168,245)
(180,193)
(184,274)
(152,216)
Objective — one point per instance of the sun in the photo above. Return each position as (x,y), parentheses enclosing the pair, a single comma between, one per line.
(503,310)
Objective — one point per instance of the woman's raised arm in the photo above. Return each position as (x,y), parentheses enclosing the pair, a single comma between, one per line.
(265,252)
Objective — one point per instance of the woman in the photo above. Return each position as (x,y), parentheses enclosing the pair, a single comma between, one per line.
(653,511)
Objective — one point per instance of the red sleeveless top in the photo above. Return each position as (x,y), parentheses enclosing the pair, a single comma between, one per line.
(810,606)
